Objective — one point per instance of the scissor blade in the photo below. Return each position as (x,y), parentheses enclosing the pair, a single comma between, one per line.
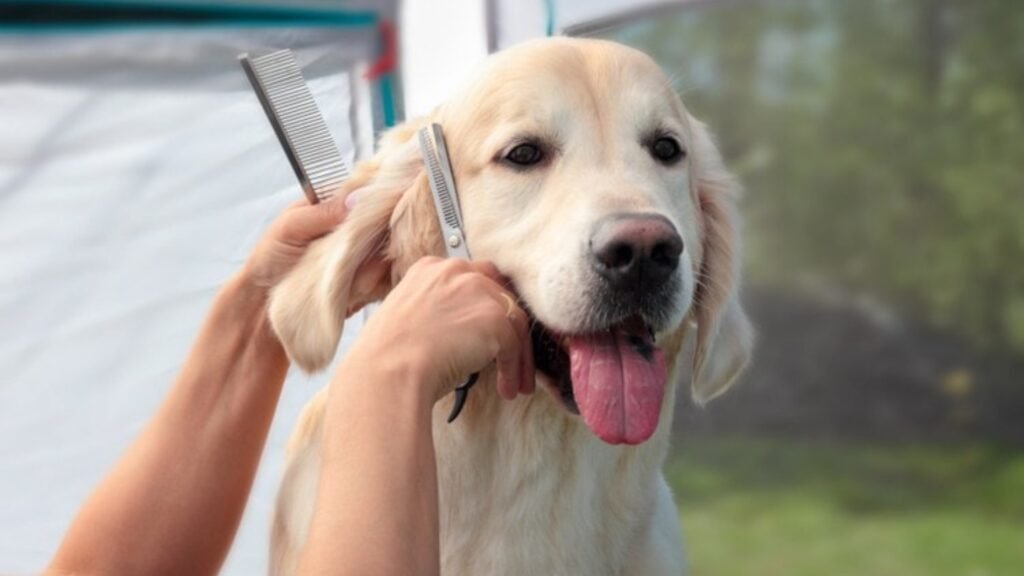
(445,200)
(446,168)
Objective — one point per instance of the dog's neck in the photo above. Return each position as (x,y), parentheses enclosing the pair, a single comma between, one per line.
(497,483)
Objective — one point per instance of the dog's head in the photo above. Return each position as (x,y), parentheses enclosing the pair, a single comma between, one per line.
(583,178)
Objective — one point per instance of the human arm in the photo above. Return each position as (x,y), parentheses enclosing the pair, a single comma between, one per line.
(377,509)
(172,503)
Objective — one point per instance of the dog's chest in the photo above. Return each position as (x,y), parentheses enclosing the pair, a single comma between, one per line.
(534,493)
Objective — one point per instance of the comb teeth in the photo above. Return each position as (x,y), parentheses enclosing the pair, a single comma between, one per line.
(444,194)
(293,113)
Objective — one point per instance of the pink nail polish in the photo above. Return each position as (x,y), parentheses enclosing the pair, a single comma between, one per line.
(351,200)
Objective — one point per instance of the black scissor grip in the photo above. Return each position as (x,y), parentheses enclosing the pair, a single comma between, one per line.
(461,393)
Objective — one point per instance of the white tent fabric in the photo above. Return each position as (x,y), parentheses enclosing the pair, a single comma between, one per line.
(136,171)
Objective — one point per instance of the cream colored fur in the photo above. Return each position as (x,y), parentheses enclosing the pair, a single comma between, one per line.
(525,487)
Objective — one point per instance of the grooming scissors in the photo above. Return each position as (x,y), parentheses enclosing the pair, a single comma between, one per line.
(446,201)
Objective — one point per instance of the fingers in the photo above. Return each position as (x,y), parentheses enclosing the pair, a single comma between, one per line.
(515,357)
(520,322)
(301,222)
(510,348)
(515,361)
(488,269)
(498,328)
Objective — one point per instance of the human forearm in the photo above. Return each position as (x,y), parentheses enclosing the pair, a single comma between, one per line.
(377,506)
(377,502)
(172,503)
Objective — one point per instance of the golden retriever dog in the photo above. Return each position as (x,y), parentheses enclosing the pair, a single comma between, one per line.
(584,180)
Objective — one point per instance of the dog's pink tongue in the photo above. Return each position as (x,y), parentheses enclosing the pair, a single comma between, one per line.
(618,378)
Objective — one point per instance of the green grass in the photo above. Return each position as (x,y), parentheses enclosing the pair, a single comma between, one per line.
(781,508)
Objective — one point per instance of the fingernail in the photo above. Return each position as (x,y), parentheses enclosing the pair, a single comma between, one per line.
(352,199)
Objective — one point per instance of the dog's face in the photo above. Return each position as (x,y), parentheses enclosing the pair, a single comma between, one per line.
(583,178)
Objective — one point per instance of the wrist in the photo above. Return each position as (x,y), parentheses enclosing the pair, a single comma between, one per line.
(401,378)
(247,280)
(242,303)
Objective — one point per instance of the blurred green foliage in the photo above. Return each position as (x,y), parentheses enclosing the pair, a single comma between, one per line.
(792,508)
(881,143)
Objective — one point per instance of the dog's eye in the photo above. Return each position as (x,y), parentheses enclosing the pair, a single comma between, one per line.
(666,150)
(525,155)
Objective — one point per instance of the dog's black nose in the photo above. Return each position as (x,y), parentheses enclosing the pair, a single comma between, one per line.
(635,251)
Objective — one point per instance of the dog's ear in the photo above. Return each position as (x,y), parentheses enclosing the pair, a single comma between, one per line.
(724,335)
(358,262)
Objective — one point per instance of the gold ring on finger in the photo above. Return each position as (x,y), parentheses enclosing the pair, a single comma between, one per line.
(510,312)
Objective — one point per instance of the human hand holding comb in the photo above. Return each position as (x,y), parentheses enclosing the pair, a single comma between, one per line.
(317,163)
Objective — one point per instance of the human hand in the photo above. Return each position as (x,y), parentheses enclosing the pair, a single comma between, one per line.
(451,318)
(288,238)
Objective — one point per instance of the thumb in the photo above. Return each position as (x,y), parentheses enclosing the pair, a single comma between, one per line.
(307,222)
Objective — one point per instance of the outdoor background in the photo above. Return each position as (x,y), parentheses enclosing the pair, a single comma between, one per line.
(880,430)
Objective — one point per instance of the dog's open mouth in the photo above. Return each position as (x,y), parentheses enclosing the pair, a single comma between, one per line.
(614,378)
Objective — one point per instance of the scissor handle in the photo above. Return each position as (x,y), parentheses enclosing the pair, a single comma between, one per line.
(461,394)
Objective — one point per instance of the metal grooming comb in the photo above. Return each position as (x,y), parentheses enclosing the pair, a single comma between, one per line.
(446,201)
(296,120)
